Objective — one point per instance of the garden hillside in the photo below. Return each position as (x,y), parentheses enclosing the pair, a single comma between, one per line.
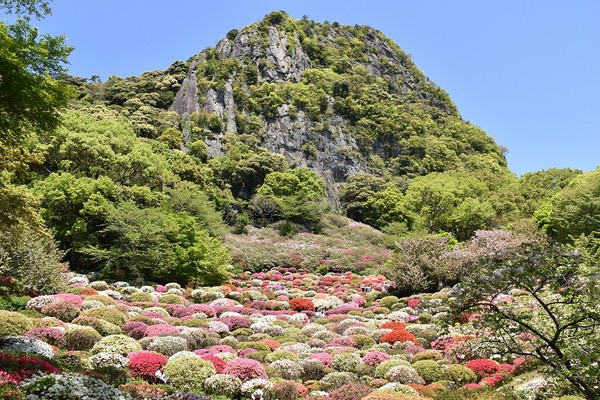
(298,211)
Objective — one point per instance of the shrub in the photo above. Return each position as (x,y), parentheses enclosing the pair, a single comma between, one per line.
(143,390)
(99,285)
(188,373)
(312,369)
(252,385)
(335,380)
(284,390)
(135,329)
(119,344)
(325,358)
(384,367)
(398,335)
(106,300)
(69,386)
(64,310)
(287,369)
(245,369)
(144,364)
(429,370)
(351,391)
(217,362)
(103,327)
(171,298)
(483,367)
(83,338)
(281,355)
(403,374)
(13,324)
(21,367)
(112,366)
(346,362)
(388,301)
(301,304)
(109,314)
(460,374)
(140,297)
(374,358)
(52,336)
(168,345)
(221,384)
(161,329)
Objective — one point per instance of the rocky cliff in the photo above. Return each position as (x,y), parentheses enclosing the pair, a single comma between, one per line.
(337,99)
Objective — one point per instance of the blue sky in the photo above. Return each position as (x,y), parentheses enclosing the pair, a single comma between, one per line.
(527,72)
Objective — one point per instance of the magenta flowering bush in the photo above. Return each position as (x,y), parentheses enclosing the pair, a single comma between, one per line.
(52,336)
(325,358)
(374,358)
(245,369)
(135,329)
(161,329)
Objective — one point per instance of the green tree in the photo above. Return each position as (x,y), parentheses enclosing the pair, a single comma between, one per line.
(575,210)
(555,318)
(385,207)
(537,187)
(76,208)
(156,244)
(299,194)
(453,202)
(356,191)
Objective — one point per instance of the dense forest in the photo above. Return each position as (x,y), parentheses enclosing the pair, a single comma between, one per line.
(314,151)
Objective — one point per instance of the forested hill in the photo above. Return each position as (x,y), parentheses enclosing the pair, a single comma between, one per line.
(337,99)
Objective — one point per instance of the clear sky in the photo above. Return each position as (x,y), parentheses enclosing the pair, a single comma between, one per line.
(526,71)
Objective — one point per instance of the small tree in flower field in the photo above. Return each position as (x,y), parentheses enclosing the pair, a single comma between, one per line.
(541,301)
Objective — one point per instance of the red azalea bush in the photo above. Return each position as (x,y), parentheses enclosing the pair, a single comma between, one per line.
(393,325)
(398,335)
(217,362)
(483,367)
(20,367)
(245,369)
(273,344)
(493,379)
(350,391)
(144,363)
(302,304)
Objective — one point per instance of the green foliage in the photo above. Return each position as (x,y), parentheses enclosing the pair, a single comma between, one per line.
(109,314)
(573,211)
(356,192)
(13,324)
(450,202)
(188,373)
(429,370)
(30,94)
(296,195)
(33,259)
(82,338)
(537,187)
(159,245)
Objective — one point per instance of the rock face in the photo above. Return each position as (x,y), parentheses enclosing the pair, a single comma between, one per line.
(186,102)
(280,52)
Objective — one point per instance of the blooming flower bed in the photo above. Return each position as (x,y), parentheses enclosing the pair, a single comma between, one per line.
(283,333)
